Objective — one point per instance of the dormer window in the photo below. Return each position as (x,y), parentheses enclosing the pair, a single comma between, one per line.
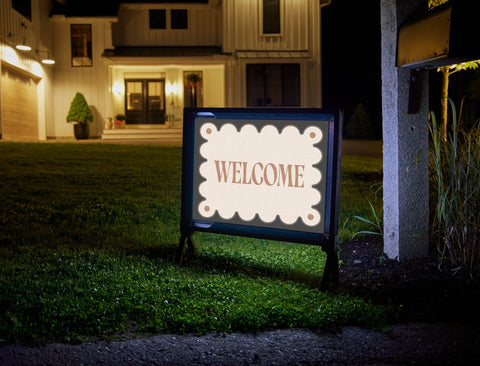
(158,19)
(179,19)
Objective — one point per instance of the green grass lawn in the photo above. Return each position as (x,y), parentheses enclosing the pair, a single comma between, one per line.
(87,244)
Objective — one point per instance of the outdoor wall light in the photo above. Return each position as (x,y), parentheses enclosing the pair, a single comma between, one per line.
(22,46)
(118,88)
(46,60)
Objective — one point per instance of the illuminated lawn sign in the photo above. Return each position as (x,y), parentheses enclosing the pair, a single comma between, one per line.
(264,173)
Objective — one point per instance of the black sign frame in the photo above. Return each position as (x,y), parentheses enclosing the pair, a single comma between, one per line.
(328,239)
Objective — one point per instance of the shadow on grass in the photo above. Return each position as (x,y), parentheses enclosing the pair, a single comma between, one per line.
(228,264)
(224,264)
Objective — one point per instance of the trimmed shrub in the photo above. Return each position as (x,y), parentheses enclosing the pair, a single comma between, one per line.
(79,110)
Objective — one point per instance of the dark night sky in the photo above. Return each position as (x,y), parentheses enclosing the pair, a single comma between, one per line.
(351,57)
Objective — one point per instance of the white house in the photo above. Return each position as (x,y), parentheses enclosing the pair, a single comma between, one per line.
(149,60)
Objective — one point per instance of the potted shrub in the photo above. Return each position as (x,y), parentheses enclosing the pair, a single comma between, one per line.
(81,115)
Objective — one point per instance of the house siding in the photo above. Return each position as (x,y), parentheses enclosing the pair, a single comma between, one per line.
(245,33)
(133,29)
(91,81)
(232,28)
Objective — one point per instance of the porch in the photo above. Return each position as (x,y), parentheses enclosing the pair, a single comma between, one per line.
(144,133)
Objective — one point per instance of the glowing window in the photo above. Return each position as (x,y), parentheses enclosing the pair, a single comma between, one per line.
(81,43)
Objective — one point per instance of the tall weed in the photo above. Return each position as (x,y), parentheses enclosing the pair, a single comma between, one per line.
(455,182)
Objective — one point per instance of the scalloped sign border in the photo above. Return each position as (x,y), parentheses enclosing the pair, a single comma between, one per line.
(263,173)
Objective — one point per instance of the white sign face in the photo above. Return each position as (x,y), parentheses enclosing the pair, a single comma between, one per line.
(262,175)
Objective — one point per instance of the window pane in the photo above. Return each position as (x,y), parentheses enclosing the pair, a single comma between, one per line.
(179,19)
(255,85)
(134,96)
(156,95)
(291,84)
(273,85)
(81,44)
(157,19)
(271,16)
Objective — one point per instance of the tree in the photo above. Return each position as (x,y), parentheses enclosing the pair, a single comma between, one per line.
(446,72)
(360,125)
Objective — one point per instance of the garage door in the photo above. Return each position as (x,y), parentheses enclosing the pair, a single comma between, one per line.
(19,105)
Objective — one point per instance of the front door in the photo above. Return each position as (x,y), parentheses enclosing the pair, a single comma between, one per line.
(145,101)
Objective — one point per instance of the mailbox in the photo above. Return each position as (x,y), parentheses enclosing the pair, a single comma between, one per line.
(444,36)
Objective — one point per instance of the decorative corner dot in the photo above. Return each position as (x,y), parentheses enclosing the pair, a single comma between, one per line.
(208,131)
(310,217)
(207,208)
(313,135)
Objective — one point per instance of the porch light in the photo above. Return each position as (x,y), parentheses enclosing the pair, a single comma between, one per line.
(118,88)
(172,89)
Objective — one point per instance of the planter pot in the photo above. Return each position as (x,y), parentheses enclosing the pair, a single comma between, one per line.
(81,131)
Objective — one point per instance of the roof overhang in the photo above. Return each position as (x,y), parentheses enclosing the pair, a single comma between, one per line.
(274,54)
(159,51)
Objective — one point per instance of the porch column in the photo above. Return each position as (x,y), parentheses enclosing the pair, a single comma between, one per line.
(405,184)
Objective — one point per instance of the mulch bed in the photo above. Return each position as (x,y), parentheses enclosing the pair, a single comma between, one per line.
(417,288)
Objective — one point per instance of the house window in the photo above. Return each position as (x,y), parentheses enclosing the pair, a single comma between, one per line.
(271,16)
(81,43)
(179,18)
(273,85)
(158,19)
(193,91)
(24,7)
